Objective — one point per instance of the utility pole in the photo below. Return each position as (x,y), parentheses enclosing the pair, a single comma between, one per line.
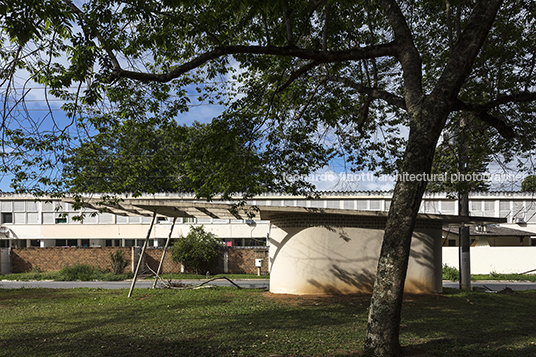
(463,210)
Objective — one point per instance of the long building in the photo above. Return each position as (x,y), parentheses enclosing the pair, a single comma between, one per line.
(27,222)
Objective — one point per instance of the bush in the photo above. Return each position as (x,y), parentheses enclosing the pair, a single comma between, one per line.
(198,251)
(450,273)
(81,272)
(118,262)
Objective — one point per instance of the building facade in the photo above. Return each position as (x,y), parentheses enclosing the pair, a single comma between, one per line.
(26,222)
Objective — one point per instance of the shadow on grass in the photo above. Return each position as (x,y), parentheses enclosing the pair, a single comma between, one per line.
(465,324)
(228,322)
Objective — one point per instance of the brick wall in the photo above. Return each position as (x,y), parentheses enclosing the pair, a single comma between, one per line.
(55,258)
(241,260)
(152,259)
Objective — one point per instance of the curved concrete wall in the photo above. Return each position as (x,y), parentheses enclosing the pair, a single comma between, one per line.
(331,254)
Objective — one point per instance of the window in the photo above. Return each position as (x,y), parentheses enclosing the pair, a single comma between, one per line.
(452,242)
(7,218)
(72,242)
(85,243)
(61,242)
(61,220)
(254,242)
(188,220)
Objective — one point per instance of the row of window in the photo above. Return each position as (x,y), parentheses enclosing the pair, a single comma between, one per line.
(105,218)
(24,243)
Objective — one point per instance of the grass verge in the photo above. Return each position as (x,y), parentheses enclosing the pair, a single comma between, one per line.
(231,322)
(451,273)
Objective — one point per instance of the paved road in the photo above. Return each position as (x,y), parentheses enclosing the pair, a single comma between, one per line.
(8,284)
(252,284)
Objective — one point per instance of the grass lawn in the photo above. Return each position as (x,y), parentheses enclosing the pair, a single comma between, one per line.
(230,322)
(451,273)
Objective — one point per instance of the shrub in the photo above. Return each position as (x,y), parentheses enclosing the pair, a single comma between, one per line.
(118,262)
(197,251)
(81,272)
(450,273)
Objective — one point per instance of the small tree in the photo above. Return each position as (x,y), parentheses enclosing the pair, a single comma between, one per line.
(197,251)
(529,184)
(118,262)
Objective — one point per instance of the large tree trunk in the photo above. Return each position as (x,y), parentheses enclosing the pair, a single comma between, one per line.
(385,308)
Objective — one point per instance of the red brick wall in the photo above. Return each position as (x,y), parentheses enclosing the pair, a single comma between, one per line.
(152,259)
(240,260)
(55,258)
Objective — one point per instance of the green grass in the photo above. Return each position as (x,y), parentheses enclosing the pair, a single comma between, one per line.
(450,273)
(229,322)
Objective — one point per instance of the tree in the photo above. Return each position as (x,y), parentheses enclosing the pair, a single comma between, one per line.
(148,157)
(197,251)
(313,79)
(529,184)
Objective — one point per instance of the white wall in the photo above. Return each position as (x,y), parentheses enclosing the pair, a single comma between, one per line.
(5,261)
(485,260)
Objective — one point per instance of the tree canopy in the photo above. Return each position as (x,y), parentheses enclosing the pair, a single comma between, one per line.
(529,184)
(374,82)
(148,157)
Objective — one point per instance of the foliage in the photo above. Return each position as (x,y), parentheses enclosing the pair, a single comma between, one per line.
(529,184)
(82,272)
(450,273)
(462,157)
(118,262)
(198,250)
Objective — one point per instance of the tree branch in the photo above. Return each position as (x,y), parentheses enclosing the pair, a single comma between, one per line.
(481,112)
(522,97)
(326,28)
(501,126)
(295,74)
(407,53)
(387,49)
(373,92)
(288,25)
(466,49)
